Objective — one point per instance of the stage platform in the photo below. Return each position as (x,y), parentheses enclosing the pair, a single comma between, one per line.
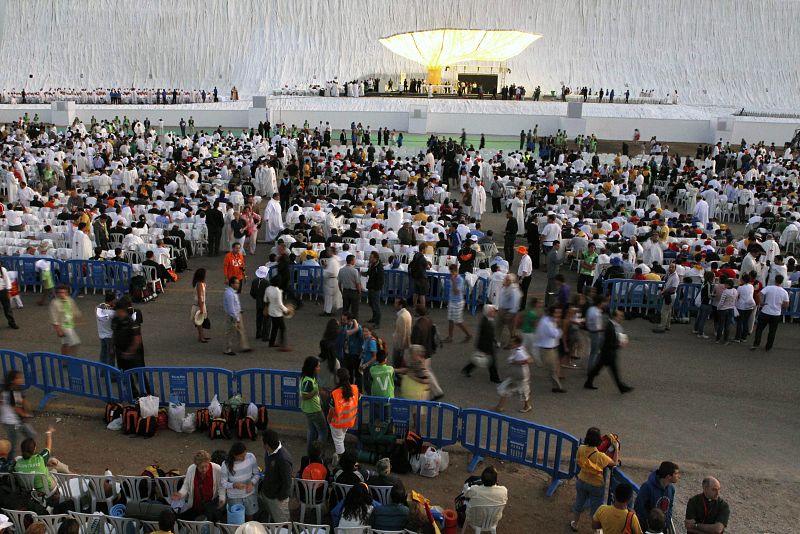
(677,123)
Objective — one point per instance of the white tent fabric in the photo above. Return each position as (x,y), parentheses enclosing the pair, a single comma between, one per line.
(712,51)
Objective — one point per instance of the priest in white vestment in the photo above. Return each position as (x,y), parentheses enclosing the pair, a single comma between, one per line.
(273,223)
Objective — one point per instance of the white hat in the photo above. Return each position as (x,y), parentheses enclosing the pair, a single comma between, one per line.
(262,272)
(4,522)
(474,237)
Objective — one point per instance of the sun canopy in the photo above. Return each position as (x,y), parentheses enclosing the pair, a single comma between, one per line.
(438,48)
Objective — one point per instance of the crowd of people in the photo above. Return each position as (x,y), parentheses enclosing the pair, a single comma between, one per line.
(114,95)
(101,190)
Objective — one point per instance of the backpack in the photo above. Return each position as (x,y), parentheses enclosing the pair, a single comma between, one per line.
(202,419)
(262,421)
(113,411)
(130,418)
(246,428)
(147,426)
(414,442)
(218,429)
(163,419)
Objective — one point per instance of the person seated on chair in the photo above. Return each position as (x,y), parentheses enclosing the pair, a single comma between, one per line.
(201,490)
(384,476)
(166,522)
(161,271)
(487,494)
(312,467)
(393,515)
(6,463)
(41,463)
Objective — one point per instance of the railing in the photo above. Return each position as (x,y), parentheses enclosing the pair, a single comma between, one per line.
(79,275)
(56,373)
(267,387)
(25,266)
(193,386)
(435,422)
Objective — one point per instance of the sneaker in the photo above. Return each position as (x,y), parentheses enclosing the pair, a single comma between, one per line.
(703,336)
(574,526)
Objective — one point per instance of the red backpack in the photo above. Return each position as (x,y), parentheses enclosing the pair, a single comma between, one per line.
(218,429)
(246,428)
(130,418)
(113,411)
(147,426)
(202,419)
(262,420)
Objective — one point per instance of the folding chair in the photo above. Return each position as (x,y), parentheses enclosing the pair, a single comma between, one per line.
(311,494)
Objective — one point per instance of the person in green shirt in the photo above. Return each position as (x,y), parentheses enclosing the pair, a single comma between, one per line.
(317,425)
(588,261)
(382,377)
(41,463)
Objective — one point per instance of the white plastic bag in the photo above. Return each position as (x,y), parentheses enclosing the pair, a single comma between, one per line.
(215,408)
(415,461)
(431,463)
(189,423)
(445,460)
(175,415)
(252,411)
(116,424)
(148,406)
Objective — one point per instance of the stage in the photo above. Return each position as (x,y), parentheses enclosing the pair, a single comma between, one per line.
(677,123)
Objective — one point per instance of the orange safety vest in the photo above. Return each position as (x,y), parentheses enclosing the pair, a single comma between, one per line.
(344,410)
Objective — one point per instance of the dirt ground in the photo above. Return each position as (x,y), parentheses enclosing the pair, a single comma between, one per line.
(715,410)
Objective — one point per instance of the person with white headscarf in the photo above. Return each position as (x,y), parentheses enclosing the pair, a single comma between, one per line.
(273,223)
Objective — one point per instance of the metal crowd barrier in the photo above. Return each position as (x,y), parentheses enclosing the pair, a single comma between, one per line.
(193,386)
(56,373)
(794,302)
(307,280)
(268,387)
(25,266)
(435,422)
(79,275)
(618,476)
(10,359)
(485,433)
(644,295)
(396,285)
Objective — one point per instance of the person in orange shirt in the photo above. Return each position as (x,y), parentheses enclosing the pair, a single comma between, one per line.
(233,265)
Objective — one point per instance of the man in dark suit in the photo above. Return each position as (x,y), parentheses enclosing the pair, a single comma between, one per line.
(613,338)
(215,222)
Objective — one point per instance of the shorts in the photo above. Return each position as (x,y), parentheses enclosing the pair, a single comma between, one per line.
(420,286)
(455,312)
(250,504)
(70,338)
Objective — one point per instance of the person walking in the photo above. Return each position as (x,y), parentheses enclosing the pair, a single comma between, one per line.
(423,333)
(587,261)
(774,300)
(375,287)
(350,286)
(273,299)
(332,297)
(532,236)
(668,296)
(199,309)
(257,290)
(524,274)
(403,334)
(233,266)
(343,411)
(63,314)
(485,344)
(455,306)
(614,338)
(510,237)
(233,311)
(5,288)
(548,338)
(520,383)
(553,263)
(310,404)
(15,412)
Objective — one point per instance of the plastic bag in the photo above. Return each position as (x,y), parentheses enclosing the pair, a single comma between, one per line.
(189,423)
(415,461)
(215,408)
(176,414)
(148,406)
(445,460)
(252,411)
(431,463)
(115,424)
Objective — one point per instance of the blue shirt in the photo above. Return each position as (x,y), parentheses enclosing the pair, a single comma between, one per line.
(352,344)
(369,347)
(230,303)
(457,284)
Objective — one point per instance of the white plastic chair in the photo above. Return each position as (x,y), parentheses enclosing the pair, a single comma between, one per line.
(67,490)
(152,279)
(90,523)
(483,519)
(308,528)
(18,518)
(28,482)
(353,530)
(381,493)
(96,486)
(123,525)
(52,522)
(135,488)
(195,527)
(278,528)
(310,496)
(341,490)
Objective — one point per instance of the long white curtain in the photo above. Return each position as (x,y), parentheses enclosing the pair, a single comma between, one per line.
(739,53)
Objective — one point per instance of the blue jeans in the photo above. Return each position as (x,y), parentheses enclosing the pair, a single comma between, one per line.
(702,316)
(725,324)
(587,496)
(316,429)
(594,352)
(107,355)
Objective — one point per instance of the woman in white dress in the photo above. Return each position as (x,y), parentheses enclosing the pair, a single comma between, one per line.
(517,207)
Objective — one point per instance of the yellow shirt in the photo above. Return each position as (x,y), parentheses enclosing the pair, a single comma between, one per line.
(359,211)
(591,463)
(652,276)
(613,520)
(421,217)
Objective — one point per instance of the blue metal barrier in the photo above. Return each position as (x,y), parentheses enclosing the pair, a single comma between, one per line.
(277,390)
(618,476)
(478,295)
(98,275)
(25,266)
(684,305)
(626,294)
(485,433)
(307,280)
(396,285)
(193,386)
(435,422)
(794,302)
(10,359)
(56,373)
(438,288)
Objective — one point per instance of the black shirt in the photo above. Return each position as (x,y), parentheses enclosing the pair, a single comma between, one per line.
(707,512)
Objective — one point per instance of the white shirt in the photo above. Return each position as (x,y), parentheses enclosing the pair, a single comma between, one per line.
(772,299)
(745,300)
(273,296)
(13,217)
(104,316)
(525,266)
(551,232)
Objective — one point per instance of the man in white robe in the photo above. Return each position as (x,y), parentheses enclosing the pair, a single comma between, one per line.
(81,244)
(273,223)
(701,212)
(478,200)
(332,294)
(395,219)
